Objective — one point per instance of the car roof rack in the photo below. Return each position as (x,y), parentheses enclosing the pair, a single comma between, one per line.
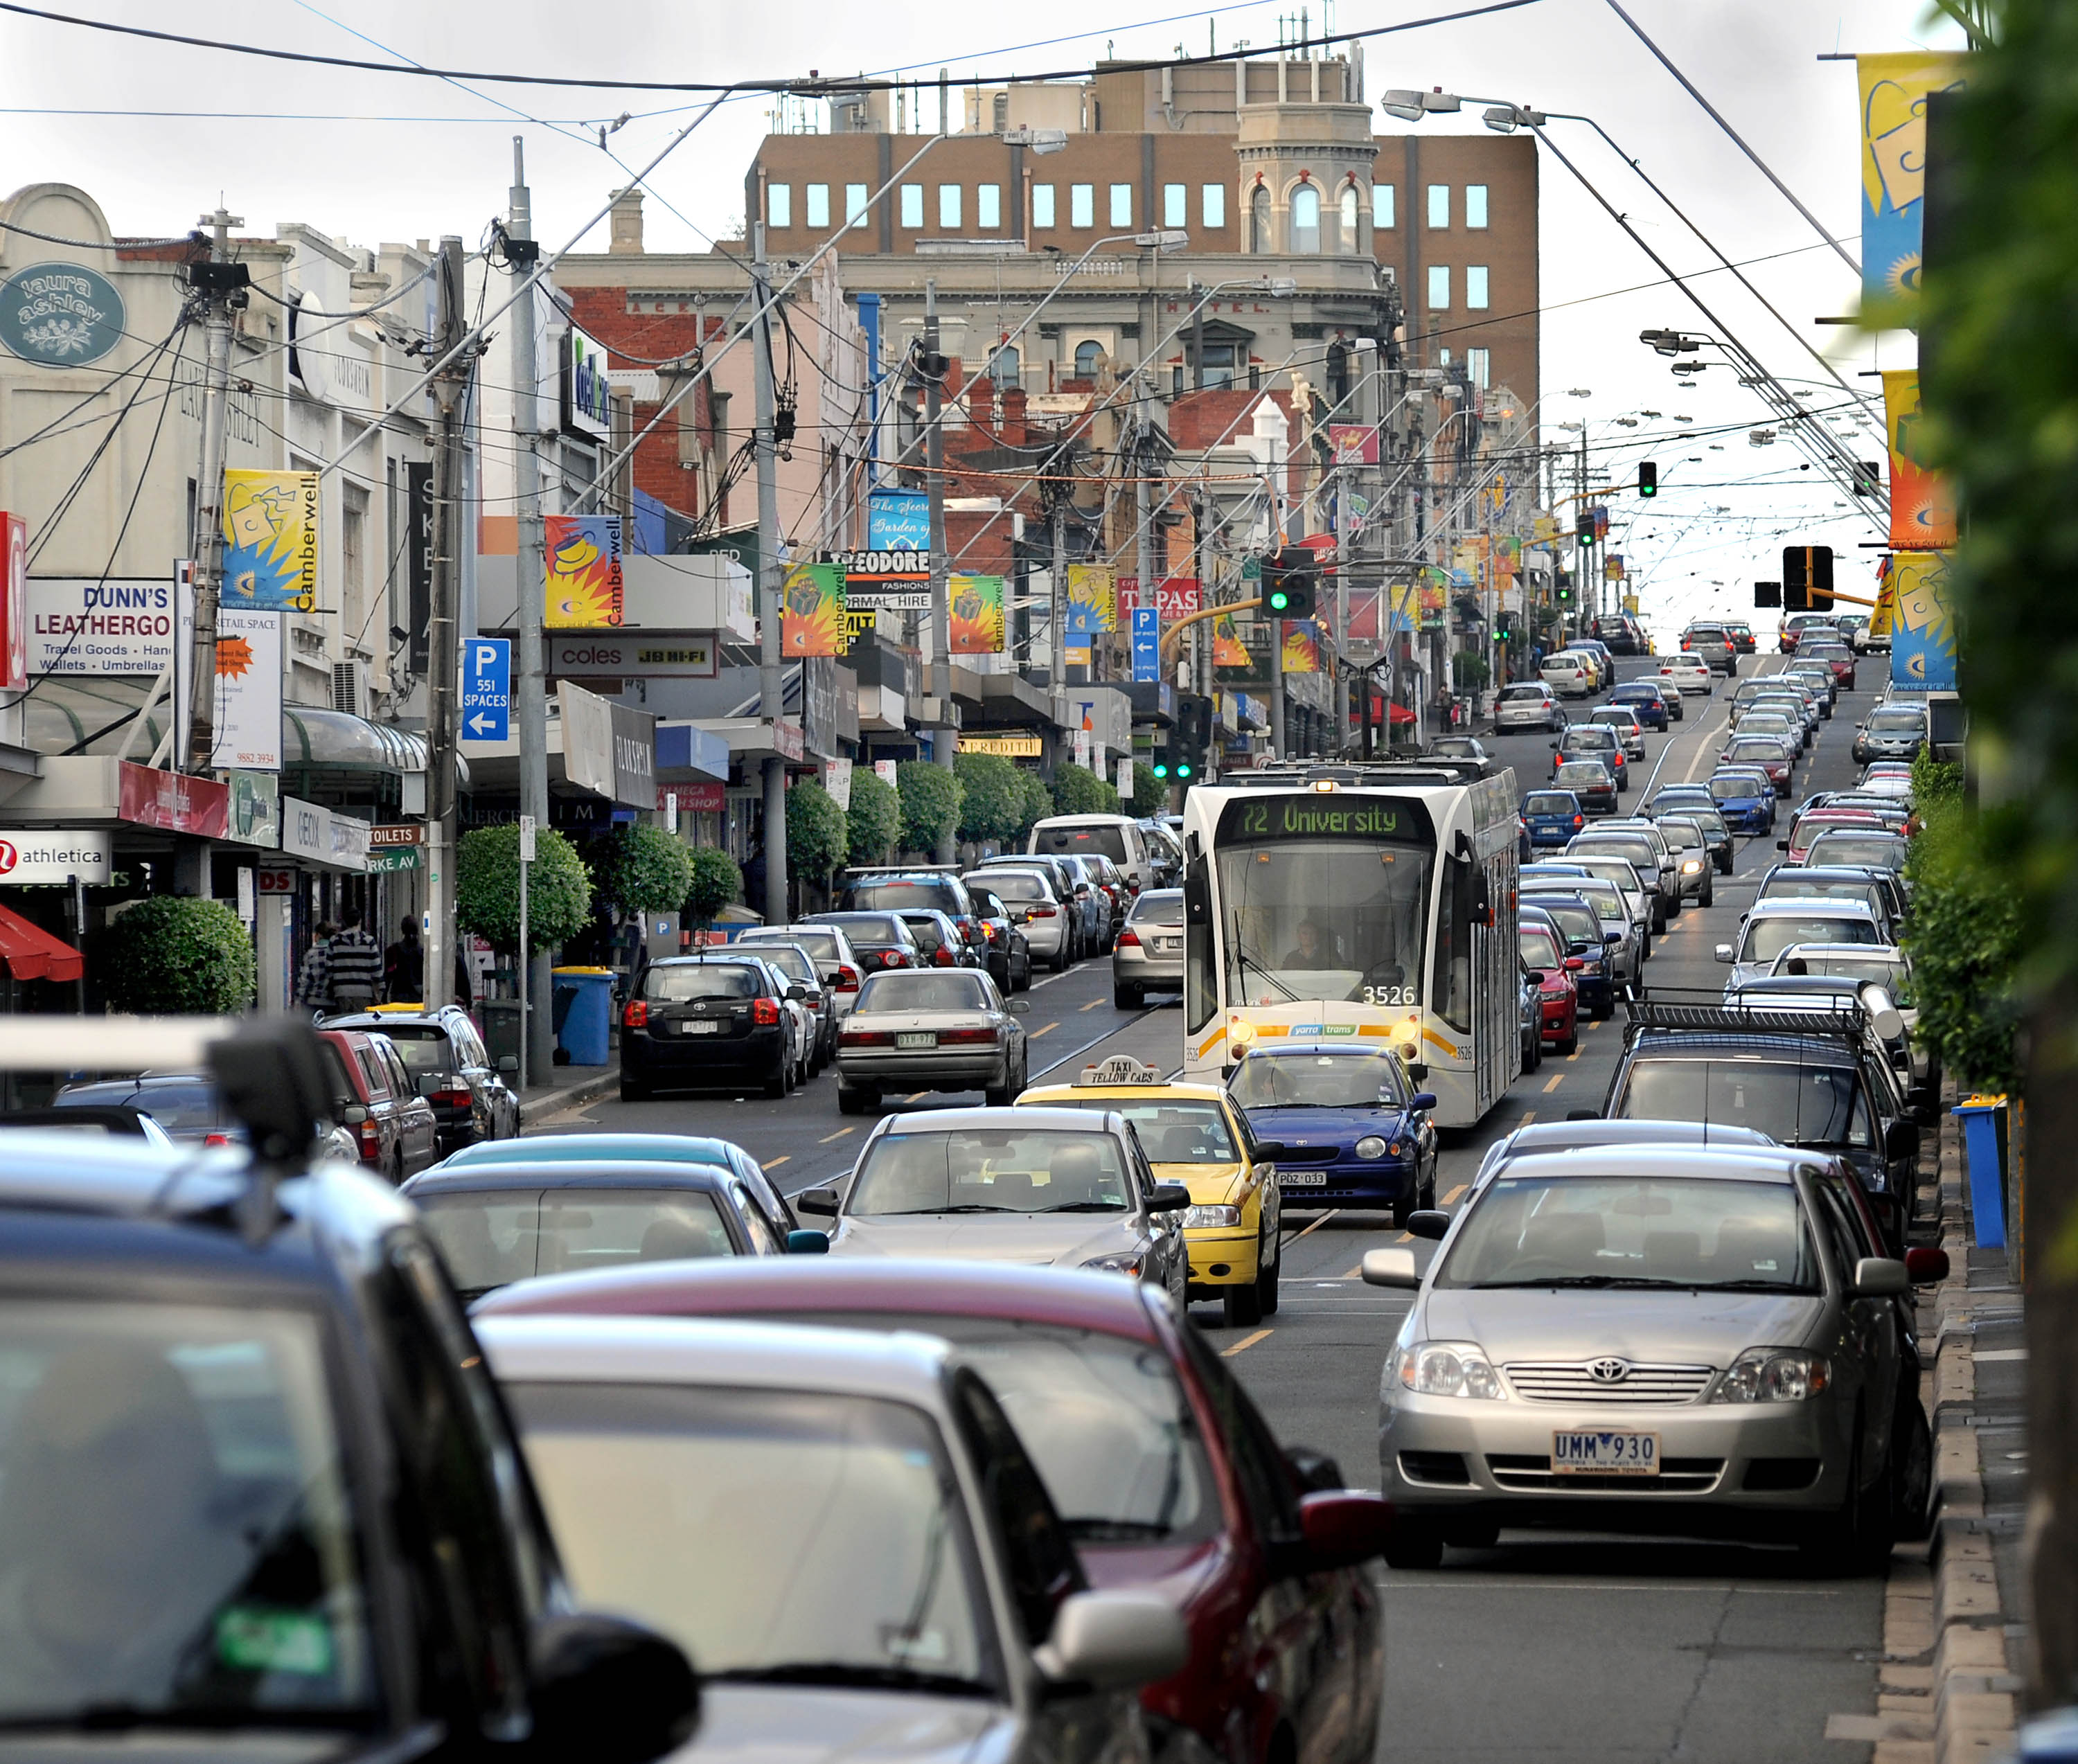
(1843,1019)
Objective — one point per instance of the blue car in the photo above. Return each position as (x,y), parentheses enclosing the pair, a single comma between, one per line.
(1745,796)
(1352,1130)
(1645,701)
(1578,929)
(1553,817)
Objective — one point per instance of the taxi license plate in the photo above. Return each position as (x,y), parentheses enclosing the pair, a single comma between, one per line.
(922,1038)
(1596,1452)
(1302,1179)
(698,1026)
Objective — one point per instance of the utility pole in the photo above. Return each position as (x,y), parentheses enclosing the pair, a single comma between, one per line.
(443,652)
(530,699)
(945,737)
(771,697)
(1056,585)
(222,284)
(1143,559)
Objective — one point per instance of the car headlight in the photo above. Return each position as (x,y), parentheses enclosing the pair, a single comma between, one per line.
(1772,1375)
(1127,1263)
(1205,1217)
(1371,1145)
(1690,865)
(1450,1368)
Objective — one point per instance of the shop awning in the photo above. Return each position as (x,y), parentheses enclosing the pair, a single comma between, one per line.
(32,953)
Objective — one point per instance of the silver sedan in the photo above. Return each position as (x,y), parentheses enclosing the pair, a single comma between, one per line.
(1149,955)
(932,1029)
(1663,1338)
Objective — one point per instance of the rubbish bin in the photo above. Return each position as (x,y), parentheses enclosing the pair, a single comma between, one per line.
(584,1013)
(1981,1123)
(502,1033)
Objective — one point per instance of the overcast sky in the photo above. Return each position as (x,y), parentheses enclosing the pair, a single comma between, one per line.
(371,157)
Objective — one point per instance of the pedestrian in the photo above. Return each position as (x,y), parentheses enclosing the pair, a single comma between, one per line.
(310,979)
(353,965)
(465,983)
(404,965)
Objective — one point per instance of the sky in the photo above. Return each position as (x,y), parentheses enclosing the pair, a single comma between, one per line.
(157,133)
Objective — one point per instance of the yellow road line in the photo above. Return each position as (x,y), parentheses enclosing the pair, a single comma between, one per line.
(1090,1006)
(1356,1272)
(1555,1084)
(917,1096)
(839,1134)
(1244,1345)
(1450,1199)
(773,1163)
(1529,1115)
(1050,1028)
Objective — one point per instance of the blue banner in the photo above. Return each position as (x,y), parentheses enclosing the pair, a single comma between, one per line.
(1146,643)
(898,520)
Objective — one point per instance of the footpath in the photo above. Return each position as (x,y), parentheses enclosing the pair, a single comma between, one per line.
(569,1086)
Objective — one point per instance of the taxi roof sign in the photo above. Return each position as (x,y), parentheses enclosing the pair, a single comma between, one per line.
(1121,1069)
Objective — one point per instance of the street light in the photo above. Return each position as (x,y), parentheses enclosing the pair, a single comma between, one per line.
(1168,239)
(1039,140)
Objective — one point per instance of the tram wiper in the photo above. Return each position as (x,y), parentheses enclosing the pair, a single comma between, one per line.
(1243,964)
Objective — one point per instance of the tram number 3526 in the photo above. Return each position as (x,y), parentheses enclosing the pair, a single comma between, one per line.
(1390,995)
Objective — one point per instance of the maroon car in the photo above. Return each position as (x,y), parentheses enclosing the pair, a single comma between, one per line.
(1166,1475)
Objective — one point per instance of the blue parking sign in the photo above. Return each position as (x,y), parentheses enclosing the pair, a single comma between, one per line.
(1146,643)
(486,689)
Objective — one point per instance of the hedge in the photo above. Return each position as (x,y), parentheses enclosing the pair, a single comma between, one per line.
(1036,804)
(930,804)
(176,956)
(1150,795)
(874,818)
(487,889)
(991,798)
(816,835)
(716,882)
(1078,790)
(639,870)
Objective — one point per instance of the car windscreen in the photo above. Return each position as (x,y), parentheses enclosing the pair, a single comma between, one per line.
(177,1524)
(1798,884)
(1760,752)
(900,991)
(1872,851)
(1792,1103)
(928,931)
(873,927)
(990,1171)
(676,983)
(1020,886)
(899,892)
(1640,853)
(423,1047)
(1768,938)
(1170,1132)
(1550,802)
(1734,790)
(1598,736)
(491,1237)
(821,944)
(1297,1080)
(1897,722)
(1096,838)
(1538,948)
(1604,897)
(1515,694)
(1588,775)
(177,1107)
(682,1507)
(1164,907)
(1622,1231)
(1683,836)
(1838,963)
(792,963)
(1580,924)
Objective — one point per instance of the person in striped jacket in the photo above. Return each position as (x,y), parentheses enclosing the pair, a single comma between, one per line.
(353,965)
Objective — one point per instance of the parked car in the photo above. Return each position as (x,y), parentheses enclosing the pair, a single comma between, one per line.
(1543,952)
(1149,955)
(1528,704)
(1009,950)
(375,1100)
(1039,910)
(881,939)
(717,1021)
(1590,781)
(798,967)
(452,1069)
(1108,899)
(1115,837)
(897,888)
(1153,1453)
(1354,1131)
(841,966)
(185,1106)
(930,1031)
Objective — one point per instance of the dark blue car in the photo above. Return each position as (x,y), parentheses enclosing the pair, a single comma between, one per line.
(1353,1129)
(1645,701)
(1746,797)
(1579,931)
(1553,817)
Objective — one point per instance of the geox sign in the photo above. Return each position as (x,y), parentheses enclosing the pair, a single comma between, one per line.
(587,397)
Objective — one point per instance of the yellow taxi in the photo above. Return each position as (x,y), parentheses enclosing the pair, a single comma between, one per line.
(1193,1135)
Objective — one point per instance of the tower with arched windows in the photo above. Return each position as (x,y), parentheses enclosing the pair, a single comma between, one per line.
(1304,167)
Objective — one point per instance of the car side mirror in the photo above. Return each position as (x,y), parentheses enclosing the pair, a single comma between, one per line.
(1574,964)
(609,1690)
(1343,1526)
(1782,845)
(1612,937)
(1393,1267)
(1268,1150)
(1114,1639)
(1879,1277)
(1428,1224)
(1417,1072)
(797,993)
(1925,1267)
(1167,1198)
(1901,1140)
(1724,951)
(508,1067)
(1314,1472)
(807,1243)
(1571,1115)
(1421,1102)
(817,1203)
(1018,1007)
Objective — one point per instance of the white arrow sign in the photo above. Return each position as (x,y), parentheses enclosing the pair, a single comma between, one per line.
(479,723)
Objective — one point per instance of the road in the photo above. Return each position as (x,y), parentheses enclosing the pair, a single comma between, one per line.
(1548,1647)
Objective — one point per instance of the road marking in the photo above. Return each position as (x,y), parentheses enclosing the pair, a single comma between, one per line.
(773,1163)
(1243,1346)
(1090,1006)
(839,1134)
(1450,1199)
(1529,1115)
(1555,1084)
(918,1098)
(1316,1224)
(1573,1056)
(1036,1033)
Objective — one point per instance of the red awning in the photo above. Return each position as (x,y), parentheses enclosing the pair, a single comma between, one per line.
(32,953)
(1399,713)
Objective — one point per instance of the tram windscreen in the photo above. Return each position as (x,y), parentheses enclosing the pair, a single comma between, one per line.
(1324,901)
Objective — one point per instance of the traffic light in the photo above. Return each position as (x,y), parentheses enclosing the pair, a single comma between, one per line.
(1868,478)
(1648,478)
(1767,594)
(1289,583)
(1504,628)
(1807,578)
(1161,767)
(1584,529)
(1193,735)
(1562,594)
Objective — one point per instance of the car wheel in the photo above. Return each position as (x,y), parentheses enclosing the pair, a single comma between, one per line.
(1242,1306)
(1855,1539)
(1415,1543)
(854,1099)
(1471,1534)
(1602,1011)
(1127,998)
(1709,896)
(1572,1044)
(633,1090)
(1535,1058)
(1266,1280)
(779,1083)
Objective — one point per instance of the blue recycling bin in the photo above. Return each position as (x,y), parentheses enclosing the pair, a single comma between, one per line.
(583,1013)
(1979,1116)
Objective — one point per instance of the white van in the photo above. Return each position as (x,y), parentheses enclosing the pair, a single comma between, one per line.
(1115,837)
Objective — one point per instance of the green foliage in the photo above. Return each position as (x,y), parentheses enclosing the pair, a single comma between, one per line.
(174,956)
(1036,803)
(1078,790)
(487,889)
(991,800)
(637,869)
(817,836)
(1150,795)
(1965,938)
(716,882)
(1934,784)
(930,804)
(1468,668)
(874,818)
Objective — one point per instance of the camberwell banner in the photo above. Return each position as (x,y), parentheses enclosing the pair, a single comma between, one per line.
(1092,600)
(584,572)
(270,541)
(812,610)
(1922,511)
(1301,646)
(1923,637)
(977,612)
(1894,90)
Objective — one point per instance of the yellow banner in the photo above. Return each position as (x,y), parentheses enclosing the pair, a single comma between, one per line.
(270,539)
(1894,90)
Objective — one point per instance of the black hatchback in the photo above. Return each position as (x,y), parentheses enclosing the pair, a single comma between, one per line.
(707,1020)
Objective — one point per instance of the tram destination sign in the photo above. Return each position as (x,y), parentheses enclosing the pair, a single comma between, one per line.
(1264,819)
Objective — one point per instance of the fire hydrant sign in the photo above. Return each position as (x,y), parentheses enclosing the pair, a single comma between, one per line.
(46,856)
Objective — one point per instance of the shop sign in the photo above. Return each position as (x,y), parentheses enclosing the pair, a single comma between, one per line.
(586,392)
(787,740)
(47,855)
(702,798)
(255,808)
(654,655)
(83,624)
(1008,747)
(634,756)
(173,802)
(59,315)
(317,834)
(247,724)
(898,518)
(274,881)
(885,579)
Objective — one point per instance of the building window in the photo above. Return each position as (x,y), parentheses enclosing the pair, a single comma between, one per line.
(1478,367)
(1121,205)
(949,206)
(1258,220)
(1042,205)
(1305,220)
(1219,365)
(1175,205)
(1212,204)
(988,206)
(819,205)
(1382,216)
(856,203)
(1348,242)
(1006,370)
(1439,206)
(912,205)
(1089,352)
(1439,288)
(1081,205)
(779,205)
(1475,287)
(353,560)
(1475,205)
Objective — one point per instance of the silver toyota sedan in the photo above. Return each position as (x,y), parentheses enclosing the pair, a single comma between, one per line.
(1664,1338)
(1149,955)
(930,1029)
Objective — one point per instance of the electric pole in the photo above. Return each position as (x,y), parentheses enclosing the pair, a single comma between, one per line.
(1057,581)
(945,737)
(771,697)
(443,655)
(222,284)
(530,701)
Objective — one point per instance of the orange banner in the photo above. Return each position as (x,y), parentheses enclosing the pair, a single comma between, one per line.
(1922,508)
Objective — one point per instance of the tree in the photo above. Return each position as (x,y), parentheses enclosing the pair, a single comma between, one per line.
(1037,803)
(1468,670)
(930,804)
(487,889)
(816,835)
(176,956)
(1078,790)
(991,797)
(1150,795)
(874,818)
(716,882)
(639,870)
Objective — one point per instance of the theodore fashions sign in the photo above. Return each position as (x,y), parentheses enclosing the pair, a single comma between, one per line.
(59,315)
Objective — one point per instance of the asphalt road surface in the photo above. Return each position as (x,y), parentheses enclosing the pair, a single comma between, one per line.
(1547,1647)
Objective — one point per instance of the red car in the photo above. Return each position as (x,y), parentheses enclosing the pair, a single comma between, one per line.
(375,1098)
(1558,994)
(1836,655)
(1808,826)
(1161,1466)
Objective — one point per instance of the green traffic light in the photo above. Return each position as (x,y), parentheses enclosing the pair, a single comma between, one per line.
(1161,768)
(1183,770)
(1279,600)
